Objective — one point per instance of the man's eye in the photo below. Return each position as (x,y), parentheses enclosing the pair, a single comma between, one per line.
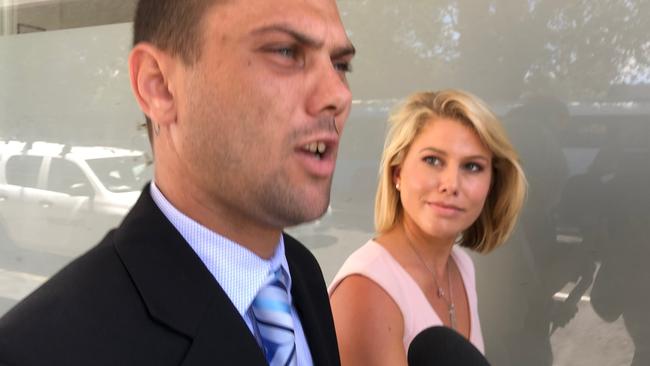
(343,66)
(286,52)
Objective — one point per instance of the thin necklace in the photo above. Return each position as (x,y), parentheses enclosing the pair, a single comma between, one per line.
(451,307)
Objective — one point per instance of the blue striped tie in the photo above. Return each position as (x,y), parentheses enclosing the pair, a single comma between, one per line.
(272,312)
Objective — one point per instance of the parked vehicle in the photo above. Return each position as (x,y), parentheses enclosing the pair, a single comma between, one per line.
(61,199)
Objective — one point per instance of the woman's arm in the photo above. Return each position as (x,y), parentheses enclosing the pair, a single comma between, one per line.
(369,324)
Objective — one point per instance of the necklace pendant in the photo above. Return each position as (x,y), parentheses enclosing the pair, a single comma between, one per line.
(440,292)
(452,316)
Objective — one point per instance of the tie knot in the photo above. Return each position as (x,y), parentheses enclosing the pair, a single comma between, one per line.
(279,278)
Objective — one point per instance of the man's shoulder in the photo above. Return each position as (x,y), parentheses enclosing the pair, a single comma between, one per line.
(59,308)
(89,310)
(84,277)
(72,295)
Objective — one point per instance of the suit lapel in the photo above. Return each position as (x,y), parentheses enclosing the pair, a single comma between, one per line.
(304,293)
(180,292)
(223,340)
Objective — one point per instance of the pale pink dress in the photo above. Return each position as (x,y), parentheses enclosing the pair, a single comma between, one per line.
(375,262)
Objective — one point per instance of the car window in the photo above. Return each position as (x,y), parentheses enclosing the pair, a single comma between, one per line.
(67,177)
(120,174)
(22,170)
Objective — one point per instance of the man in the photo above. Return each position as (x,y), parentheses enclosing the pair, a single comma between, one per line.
(245,100)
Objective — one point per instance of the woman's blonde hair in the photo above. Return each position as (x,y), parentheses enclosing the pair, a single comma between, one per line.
(508,186)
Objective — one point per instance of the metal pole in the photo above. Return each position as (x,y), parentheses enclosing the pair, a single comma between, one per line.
(7,17)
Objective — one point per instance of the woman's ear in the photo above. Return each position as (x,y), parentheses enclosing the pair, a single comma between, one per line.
(149,70)
(396,177)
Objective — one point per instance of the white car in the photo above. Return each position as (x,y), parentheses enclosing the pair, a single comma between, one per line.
(60,199)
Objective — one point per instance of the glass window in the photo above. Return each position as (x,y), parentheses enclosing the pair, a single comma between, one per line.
(120,174)
(29,16)
(66,177)
(23,170)
(570,80)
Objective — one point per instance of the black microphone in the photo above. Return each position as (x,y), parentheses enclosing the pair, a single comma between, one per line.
(442,346)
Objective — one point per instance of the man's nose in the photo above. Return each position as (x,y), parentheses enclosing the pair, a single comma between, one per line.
(329,93)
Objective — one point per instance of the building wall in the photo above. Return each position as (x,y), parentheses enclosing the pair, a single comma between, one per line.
(569,79)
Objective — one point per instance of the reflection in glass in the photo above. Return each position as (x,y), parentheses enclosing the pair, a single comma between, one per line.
(56,201)
(570,78)
(120,174)
(29,16)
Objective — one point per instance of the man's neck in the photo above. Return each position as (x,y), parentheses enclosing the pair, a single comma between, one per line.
(244,231)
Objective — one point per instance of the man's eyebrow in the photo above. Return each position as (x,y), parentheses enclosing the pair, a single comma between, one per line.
(297,35)
(347,50)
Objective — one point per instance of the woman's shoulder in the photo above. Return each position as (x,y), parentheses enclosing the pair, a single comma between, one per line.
(367,255)
(370,260)
(361,306)
(369,269)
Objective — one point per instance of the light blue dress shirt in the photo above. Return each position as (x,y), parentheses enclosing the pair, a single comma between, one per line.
(240,272)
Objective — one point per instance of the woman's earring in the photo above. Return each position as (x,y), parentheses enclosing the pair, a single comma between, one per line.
(397,186)
(156,129)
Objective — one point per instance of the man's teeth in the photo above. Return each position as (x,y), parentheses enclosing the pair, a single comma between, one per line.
(315,147)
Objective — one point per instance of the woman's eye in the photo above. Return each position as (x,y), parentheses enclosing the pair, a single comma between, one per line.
(473,167)
(432,160)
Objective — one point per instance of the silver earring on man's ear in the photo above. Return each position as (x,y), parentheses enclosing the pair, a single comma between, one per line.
(336,128)
(156,129)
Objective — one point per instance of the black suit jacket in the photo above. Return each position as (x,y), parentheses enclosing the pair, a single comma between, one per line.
(143,297)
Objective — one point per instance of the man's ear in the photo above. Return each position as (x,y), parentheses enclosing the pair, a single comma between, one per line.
(150,72)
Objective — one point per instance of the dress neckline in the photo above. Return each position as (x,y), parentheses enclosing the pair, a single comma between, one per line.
(421,295)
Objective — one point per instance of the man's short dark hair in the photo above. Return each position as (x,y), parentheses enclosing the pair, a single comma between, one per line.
(172,26)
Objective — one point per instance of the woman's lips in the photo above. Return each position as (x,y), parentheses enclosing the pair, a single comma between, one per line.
(446,209)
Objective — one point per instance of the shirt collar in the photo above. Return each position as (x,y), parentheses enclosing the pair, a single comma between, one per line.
(240,272)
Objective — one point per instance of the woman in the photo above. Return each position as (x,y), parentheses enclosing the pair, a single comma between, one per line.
(448,176)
